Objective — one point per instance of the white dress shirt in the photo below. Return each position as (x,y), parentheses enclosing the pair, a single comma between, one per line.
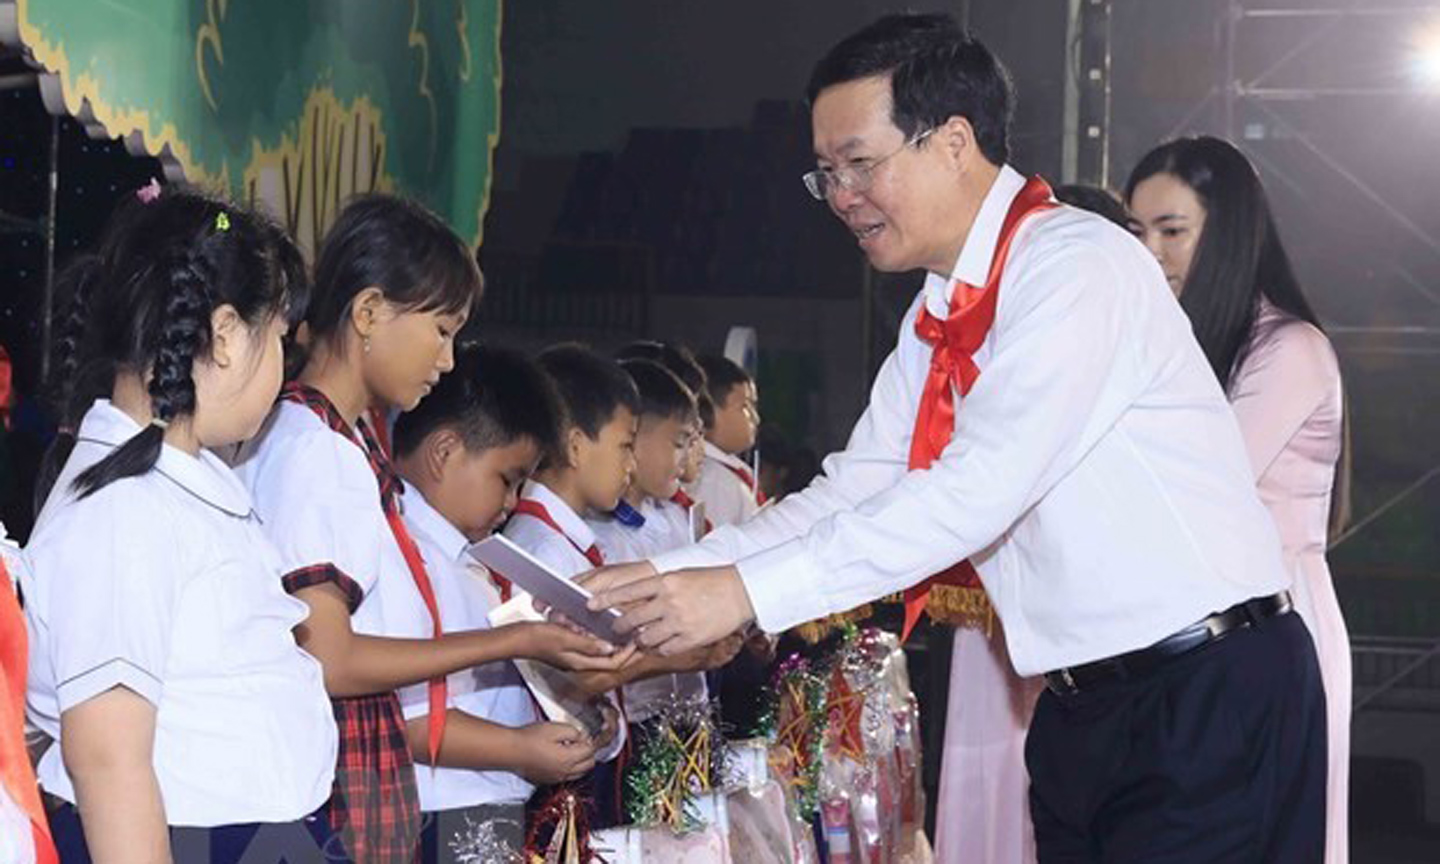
(1096,477)
(620,542)
(163,584)
(728,499)
(494,691)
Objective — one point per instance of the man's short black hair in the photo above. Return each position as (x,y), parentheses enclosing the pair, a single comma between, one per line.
(662,394)
(592,388)
(937,71)
(492,398)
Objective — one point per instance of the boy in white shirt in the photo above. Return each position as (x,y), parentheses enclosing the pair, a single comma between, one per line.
(586,471)
(727,484)
(638,527)
(464,453)
(679,510)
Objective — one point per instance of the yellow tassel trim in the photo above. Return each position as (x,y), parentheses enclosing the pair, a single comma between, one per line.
(814,631)
(968,608)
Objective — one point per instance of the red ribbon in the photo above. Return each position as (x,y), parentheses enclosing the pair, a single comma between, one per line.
(536,509)
(954,342)
(749,480)
(438,688)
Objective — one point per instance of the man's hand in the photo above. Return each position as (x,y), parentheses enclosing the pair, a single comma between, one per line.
(679,611)
(605,578)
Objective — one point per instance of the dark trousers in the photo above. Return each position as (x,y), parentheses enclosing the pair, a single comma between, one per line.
(1217,756)
(308,841)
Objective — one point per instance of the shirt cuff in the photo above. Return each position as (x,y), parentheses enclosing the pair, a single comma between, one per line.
(785,587)
(118,672)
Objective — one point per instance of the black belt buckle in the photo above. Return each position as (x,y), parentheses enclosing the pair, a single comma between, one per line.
(1062,682)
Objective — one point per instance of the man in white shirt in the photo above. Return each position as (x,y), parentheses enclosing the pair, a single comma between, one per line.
(1091,472)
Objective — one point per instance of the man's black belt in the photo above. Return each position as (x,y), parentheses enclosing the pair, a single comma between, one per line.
(1137,664)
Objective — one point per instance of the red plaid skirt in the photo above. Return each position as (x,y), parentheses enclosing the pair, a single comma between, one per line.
(375,809)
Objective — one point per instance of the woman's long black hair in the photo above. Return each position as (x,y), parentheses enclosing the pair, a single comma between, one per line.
(142,303)
(1239,260)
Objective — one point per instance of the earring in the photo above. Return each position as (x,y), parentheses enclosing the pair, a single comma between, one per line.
(365,343)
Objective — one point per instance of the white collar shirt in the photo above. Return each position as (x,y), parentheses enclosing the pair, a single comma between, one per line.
(319,501)
(561,551)
(729,500)
(1096,476)
(494,692)
(164,584)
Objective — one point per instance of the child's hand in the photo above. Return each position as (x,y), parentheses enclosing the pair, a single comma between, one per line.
(553,753)
(611,726)
(563,648)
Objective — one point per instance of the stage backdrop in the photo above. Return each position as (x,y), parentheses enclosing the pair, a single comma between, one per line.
(294,103)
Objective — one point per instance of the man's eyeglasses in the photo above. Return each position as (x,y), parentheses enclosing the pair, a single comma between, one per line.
(857,177)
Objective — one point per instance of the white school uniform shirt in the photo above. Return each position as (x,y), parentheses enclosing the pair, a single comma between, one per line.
(1096,477)
(621,544)
(164,584)
(319,501)
(561,552)
(678,530)
(493,691)
(728,499)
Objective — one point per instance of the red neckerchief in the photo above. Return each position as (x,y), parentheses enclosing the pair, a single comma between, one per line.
(952,368)
(390,489)
(749,480)
(538,510)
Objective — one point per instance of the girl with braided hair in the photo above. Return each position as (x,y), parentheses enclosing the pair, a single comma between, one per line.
(188,725)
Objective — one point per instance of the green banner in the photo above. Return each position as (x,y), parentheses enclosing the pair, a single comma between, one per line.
(293,103)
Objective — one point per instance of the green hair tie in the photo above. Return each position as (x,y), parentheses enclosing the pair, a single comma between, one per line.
(222,221)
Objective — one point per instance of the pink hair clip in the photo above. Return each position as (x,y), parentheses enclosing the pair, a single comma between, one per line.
(149,192)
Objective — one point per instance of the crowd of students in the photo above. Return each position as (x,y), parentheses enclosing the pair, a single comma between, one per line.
(256,624)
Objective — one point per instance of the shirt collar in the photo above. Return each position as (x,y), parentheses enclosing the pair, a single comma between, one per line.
(430,522)
(569,521)
(973,265)
(713,452)
(361,436)
(627,515)
(205,476)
